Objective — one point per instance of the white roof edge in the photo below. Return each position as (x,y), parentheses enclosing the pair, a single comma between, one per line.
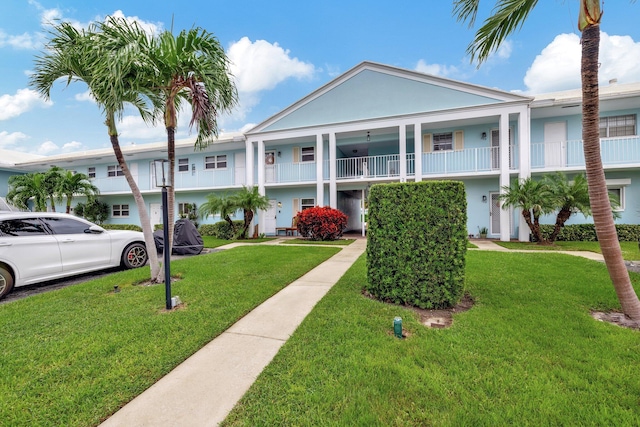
(392,70)
(128,149)
(616,90)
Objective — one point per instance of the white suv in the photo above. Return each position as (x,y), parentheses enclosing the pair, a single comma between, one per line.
(40,246)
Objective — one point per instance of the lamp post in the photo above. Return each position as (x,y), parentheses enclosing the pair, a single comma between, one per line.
(161,169)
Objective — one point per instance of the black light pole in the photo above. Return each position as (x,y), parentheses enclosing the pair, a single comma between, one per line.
(161,181)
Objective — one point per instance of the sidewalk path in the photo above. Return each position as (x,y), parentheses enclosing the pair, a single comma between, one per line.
(489,245)
(204,388)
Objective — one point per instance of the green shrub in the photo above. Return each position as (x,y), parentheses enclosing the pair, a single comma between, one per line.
(221,229)
(587,232)
(121,227)
(417,243)
(321,223)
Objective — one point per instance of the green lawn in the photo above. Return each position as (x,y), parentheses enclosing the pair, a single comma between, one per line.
(341,242)
(214,242)
(630,250)
(72,357)
(528,354)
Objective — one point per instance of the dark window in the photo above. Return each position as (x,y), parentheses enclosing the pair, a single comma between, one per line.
(114,170)
(120,210)
(442,141)
(618,126)
(91,172)
(183,165)
(22,227)
(308,154)
(66,225)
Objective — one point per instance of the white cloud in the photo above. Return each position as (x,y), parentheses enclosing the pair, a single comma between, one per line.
(72,146)
(23,101)
(133,127)
(504,51)
(21,41)
(47,147)
(147,26)
(557,67)
(85,96)
(436,69)
(260,65)
(8,139)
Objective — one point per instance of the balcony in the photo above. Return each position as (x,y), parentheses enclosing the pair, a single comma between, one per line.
(384,166)
(290,172)
(569,154)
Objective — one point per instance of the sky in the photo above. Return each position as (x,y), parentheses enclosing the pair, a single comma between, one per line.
(281,51)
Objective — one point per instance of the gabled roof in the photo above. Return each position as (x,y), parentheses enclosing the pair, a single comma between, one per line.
(371,90)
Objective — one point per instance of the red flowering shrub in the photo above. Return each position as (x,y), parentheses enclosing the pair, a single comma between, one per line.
(321,223)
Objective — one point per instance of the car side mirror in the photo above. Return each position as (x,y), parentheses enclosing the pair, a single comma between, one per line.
(94,229)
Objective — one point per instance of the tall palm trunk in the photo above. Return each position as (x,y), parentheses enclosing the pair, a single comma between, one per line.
(171,193)
(154,264)
(598,194)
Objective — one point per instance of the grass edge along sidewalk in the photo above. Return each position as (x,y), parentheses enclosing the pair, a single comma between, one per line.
(527,353)
(74,356)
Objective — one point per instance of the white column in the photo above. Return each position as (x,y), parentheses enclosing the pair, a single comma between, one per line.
(402,137)
(417,148)
(319,170)
(248,159)
(524,160)
(505,218)
(261,187)
(333,186)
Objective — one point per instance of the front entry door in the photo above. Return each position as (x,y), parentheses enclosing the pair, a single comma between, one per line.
(494,213)
(270,218)
(155,214)
(270,166)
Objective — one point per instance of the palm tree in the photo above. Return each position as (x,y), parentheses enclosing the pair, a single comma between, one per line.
(106,64)
(569,197)
(508,16)
(23,188)
(222,205)
(534,198)
(52,179)
(192,67)
(75,184)
(249,200)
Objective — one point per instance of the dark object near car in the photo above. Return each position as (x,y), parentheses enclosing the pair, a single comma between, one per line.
(186,239)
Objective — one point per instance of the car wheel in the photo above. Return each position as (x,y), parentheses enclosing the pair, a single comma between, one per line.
(6,281)
(134,256)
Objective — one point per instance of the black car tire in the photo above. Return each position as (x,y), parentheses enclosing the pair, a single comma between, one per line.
(6,281)
(134,256)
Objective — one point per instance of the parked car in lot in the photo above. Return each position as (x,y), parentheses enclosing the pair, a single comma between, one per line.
(40,246)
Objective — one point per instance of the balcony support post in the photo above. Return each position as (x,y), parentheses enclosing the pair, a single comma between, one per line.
(403,153)
(417,148)
(319,170)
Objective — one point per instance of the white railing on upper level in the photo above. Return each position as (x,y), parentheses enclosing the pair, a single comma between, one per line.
(290,172)
(570,154)
(552,156)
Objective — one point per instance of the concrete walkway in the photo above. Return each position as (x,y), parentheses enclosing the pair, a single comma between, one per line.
(490,245)
(204,388)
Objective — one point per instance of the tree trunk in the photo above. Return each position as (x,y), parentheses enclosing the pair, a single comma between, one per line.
(598,194)
(561,218)
(248,217)
(150,244)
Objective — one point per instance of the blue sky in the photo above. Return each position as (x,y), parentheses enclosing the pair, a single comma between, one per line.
(283,50)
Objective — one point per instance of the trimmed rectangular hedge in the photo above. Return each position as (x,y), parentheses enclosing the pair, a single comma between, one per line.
(417,242)
(587,232)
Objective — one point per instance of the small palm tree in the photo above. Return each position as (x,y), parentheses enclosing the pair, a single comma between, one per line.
(534,198)
(24,188)
(75,184)
(52,181)
(249,200)
(222,205)
(569,197)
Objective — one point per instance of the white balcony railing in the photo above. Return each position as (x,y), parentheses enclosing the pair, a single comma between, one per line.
(570,154)
(368,167)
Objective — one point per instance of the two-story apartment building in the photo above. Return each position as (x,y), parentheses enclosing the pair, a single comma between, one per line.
(377,124)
